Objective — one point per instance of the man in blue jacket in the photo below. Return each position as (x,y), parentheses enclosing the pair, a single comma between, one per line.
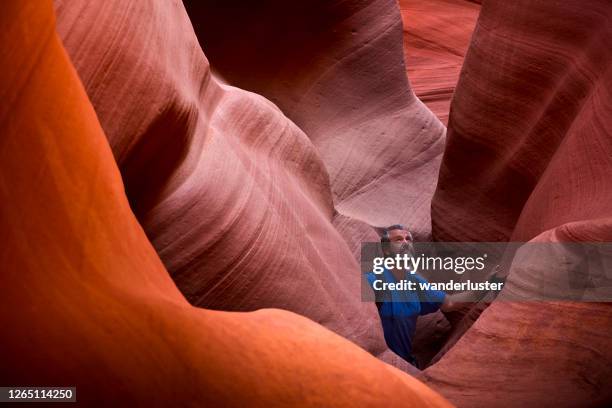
(399,310)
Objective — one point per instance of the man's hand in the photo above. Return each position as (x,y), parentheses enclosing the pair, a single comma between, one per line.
(495,275)
(458,301)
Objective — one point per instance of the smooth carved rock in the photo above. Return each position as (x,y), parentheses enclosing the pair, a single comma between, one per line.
(528,158)
(223,182)
(526,114)
(336,68)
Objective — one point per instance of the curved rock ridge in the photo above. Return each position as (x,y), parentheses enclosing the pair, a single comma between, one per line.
(436,37)
(532,353)
(87,302)
(528,158)
(527,114)
(336,68)
(221,181)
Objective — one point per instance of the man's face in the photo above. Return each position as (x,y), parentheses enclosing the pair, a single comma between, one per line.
(400,242)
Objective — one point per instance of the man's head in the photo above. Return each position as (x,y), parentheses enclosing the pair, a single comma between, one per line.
(396,239)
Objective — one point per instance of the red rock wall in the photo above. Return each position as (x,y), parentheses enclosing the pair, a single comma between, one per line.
(532,99)
(336,69)
(87,302)
(528,157)
(436,37)
(223,182)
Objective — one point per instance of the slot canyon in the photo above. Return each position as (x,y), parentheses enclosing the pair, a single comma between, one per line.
(186,186)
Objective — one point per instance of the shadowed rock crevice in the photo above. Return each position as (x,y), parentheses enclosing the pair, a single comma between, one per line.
(152,161)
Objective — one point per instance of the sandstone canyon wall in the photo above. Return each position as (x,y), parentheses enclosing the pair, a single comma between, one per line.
(336,69)
(238,183)
(220,179)
(529,157)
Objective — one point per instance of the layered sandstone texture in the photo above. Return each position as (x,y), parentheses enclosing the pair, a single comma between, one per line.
(436,37)
(529,157)
(86,300)
(336,69)
(249,206)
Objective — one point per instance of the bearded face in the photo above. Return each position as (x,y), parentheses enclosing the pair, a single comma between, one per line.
(400,242)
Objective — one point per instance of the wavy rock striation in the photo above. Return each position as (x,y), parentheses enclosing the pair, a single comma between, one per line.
(529,158)
(223,182)
(336,69)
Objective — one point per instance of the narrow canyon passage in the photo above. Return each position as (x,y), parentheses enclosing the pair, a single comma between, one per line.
(436,37)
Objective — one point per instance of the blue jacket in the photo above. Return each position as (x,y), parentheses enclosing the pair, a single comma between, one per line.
(399,311)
